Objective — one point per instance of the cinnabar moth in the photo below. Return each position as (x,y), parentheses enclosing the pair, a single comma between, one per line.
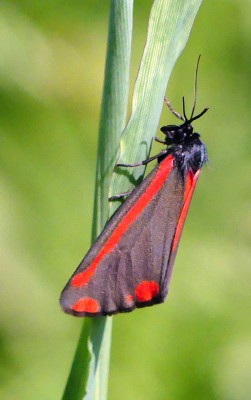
(131,262)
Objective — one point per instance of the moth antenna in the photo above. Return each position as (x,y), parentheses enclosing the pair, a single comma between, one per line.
(195,86)
(199,115)
(184,108)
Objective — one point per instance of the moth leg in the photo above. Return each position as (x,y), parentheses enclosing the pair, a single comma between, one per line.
(169,105)
(159,140)
(145,162)
(119,196)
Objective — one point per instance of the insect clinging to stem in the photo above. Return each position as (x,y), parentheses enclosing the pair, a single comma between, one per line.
(131,262)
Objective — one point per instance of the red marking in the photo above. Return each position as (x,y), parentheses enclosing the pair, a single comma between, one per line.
(83,277)
(86,304)
(190,186)
(146,290)
(158,181)
(129,298)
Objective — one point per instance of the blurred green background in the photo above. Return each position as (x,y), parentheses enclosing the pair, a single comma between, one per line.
(198,344)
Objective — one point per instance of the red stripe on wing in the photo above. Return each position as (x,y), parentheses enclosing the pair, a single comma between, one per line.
(158,181)
(191,182)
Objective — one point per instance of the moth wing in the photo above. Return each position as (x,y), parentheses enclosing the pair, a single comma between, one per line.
(190,184)
(130,266)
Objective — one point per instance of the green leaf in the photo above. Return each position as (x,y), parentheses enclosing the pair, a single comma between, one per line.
(89,373)
(169,28)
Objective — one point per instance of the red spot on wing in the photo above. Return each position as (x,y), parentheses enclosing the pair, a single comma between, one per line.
(129,298)
(86,304)
(190,186)
(158,181)
(146,290)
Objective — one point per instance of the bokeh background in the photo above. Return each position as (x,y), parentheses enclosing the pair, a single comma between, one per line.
(198,344)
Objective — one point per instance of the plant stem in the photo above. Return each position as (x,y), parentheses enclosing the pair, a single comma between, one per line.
(89,373)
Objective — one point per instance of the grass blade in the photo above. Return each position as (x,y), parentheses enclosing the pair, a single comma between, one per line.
(169,28)
(89,372)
